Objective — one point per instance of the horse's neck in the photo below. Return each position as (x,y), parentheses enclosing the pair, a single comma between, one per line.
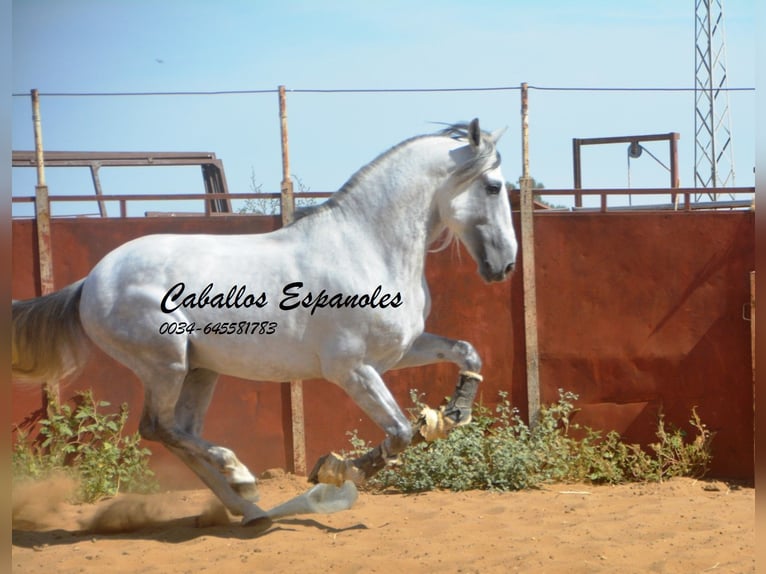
(393,204)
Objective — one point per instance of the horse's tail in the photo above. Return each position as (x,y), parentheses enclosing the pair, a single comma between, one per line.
(48,341)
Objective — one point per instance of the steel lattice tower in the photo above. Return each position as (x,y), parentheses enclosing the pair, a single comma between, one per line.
(713,159)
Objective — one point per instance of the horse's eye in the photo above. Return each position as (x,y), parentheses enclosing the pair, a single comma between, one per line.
(493,188)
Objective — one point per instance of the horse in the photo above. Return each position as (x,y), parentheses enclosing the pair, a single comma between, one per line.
(338,294)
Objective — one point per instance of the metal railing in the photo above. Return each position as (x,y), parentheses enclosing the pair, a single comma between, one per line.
(207,198)
(213,176)
(679,199)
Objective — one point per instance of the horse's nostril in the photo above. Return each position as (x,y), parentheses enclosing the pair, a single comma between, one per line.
(509,268)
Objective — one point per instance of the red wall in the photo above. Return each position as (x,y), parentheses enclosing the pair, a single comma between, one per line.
(643,313)
(637,313)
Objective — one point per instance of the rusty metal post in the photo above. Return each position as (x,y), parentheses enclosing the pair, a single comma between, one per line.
(528,268)
(756,419)
(287,205)
(94,167)
(752,323)
(43,225)
(577,170)
(675,180)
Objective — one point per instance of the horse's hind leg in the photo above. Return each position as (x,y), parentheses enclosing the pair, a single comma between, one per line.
(174,406)
(192,405)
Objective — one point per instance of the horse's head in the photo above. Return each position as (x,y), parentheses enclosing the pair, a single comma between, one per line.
(474,205)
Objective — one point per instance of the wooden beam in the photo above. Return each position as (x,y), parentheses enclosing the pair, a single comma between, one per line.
(287,203)
(44,242)
(42,205)
(528,268)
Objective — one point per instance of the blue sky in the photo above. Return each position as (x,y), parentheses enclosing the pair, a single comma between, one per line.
(139,46)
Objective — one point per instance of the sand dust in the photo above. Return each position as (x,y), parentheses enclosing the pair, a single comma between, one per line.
(680,526)
(36,504)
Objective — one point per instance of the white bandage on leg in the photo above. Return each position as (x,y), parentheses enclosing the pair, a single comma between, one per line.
(337,470)
(435,425)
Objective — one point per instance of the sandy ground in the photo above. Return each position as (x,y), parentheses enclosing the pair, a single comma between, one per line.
(681,526)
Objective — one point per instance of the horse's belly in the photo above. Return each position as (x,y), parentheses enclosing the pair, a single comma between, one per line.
(263,345)
(303,346)
(255,358)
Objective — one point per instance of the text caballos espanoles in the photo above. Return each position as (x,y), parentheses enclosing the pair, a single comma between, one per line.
(293,296)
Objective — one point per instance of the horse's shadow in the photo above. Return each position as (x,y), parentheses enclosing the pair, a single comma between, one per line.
(175,531)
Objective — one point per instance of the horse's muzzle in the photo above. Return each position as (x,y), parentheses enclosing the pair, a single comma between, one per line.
(493,276)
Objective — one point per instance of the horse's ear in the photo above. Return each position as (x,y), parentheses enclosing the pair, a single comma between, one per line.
(497,134)
(474,133)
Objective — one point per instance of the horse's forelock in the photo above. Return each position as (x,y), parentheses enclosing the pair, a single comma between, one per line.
(485,157)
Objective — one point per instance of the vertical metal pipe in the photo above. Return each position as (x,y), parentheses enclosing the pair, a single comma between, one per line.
(577,170)
(528,268)
(94,167)
(287,203)
(675,181)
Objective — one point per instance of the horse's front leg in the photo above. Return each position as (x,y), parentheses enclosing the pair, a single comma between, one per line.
(428,349)
(368,390)
(365,386)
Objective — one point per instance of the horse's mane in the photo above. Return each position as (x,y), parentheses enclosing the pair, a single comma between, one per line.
(476,165)
(486,151)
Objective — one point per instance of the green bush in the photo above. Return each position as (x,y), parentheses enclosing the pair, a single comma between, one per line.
(89,446)
(500,451)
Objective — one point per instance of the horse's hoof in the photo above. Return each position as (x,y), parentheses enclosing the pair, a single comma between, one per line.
(313,476)
(258,524)
(247,490)
(334,469)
